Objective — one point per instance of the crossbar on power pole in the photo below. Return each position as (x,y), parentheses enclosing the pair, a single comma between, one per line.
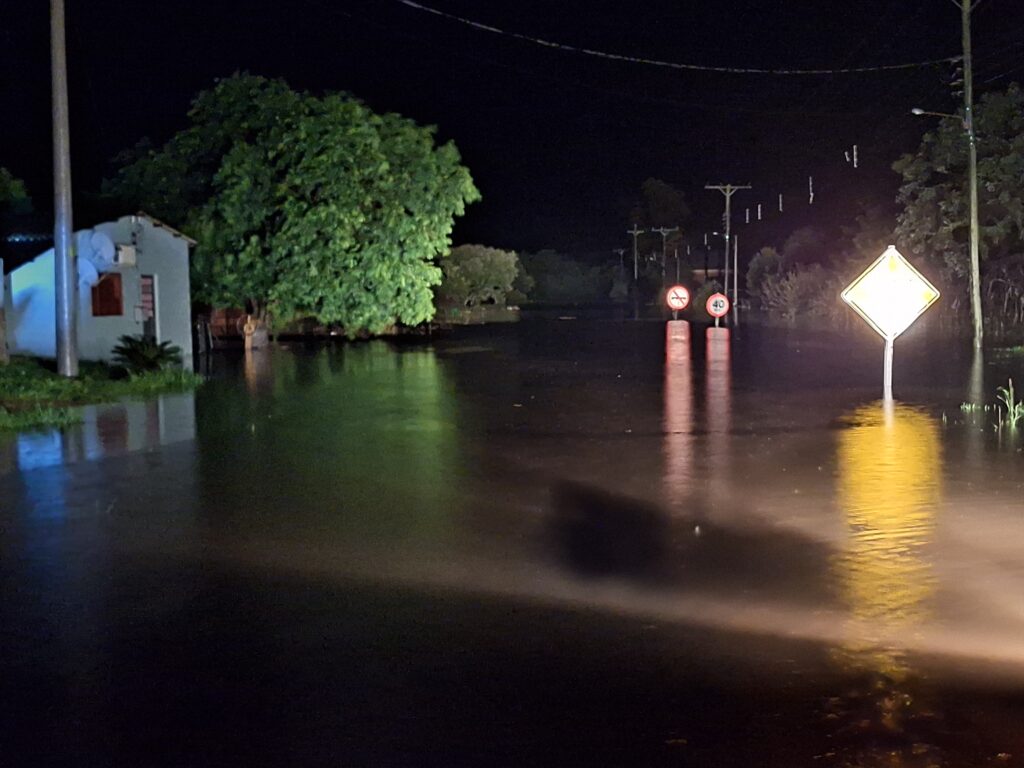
(728,190)
(64,266)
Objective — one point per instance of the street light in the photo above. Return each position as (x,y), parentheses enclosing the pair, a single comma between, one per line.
(972,164)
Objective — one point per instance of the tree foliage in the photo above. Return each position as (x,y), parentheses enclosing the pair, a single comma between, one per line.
(659,205)
(560,279)
(934,195)
(13,195)
(765,263)
(476,274)
(303,205)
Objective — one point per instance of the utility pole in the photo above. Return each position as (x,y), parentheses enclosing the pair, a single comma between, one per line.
(635,232)
(64,257)
(972,150)
(664,232)
(735,279)
(728,190)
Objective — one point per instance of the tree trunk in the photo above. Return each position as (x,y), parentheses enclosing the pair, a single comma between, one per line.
(3,336)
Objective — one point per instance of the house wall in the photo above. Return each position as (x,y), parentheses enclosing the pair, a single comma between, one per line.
(164,255)
(31,306)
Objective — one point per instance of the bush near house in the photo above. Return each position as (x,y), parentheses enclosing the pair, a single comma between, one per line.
(137,354)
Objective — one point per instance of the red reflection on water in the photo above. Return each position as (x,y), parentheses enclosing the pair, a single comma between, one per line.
(679,413)
(718,407)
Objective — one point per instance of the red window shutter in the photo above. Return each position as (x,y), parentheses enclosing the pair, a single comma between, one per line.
(107,297)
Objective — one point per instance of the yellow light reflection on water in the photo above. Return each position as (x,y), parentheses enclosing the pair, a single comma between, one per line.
(889,468)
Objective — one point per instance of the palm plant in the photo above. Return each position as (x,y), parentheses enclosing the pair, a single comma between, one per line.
(138,354)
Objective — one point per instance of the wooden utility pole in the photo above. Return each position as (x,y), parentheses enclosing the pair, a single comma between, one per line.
(64,258)
(664,232)
(635,232)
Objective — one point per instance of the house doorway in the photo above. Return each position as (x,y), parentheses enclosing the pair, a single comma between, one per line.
(147,300)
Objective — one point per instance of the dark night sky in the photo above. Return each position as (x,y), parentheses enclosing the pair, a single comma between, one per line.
(557,142)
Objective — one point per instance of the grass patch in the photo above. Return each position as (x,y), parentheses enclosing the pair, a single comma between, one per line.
(33,395)
(37,418)
(1009,351)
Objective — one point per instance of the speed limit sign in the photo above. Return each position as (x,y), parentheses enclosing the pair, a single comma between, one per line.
(717,305)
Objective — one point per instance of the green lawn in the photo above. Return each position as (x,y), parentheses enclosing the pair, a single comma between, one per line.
(32,395)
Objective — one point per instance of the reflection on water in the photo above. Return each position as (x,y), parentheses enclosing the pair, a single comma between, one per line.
(679,413)
(368,434)
(889,467)
(106,430)
(718,405)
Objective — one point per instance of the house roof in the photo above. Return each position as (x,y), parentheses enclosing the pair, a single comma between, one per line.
(19,248)
(157,223)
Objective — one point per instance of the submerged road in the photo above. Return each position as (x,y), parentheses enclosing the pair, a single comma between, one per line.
(555,544)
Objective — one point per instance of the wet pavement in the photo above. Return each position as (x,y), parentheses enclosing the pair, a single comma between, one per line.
(561,542)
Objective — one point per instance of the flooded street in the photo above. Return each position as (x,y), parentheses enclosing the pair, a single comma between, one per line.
(558,542)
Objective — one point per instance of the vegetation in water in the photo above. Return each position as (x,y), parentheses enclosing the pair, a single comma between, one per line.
(33,395)
(1014,408)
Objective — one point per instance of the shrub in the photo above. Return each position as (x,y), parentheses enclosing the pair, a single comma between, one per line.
(560,279)
(766,263)
(138,354)
(476,274)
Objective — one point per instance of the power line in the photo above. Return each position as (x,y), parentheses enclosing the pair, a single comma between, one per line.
(669,64)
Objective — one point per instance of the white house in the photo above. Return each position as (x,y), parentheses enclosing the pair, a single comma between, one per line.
(133,279)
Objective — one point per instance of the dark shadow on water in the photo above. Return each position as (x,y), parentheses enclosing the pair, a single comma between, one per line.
(600,534)
(595,533)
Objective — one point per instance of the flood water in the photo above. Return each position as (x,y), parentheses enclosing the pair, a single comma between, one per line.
(559,542)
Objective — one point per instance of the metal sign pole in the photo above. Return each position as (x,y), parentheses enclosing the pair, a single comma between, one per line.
(887,384)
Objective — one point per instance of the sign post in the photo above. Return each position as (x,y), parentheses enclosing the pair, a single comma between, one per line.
(677,299)
(717,306)
(890,295)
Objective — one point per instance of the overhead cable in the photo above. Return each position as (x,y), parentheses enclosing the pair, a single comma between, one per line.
(670,64)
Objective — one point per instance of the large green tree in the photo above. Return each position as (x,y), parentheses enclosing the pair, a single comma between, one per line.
(935,219)
(305,206)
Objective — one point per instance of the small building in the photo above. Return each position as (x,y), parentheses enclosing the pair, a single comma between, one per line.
(133,279)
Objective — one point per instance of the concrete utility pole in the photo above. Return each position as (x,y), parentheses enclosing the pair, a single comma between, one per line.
(972,150)
(664,232)
(735,279)
(972,170)
(635,232)
(728,190)
(64,258)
